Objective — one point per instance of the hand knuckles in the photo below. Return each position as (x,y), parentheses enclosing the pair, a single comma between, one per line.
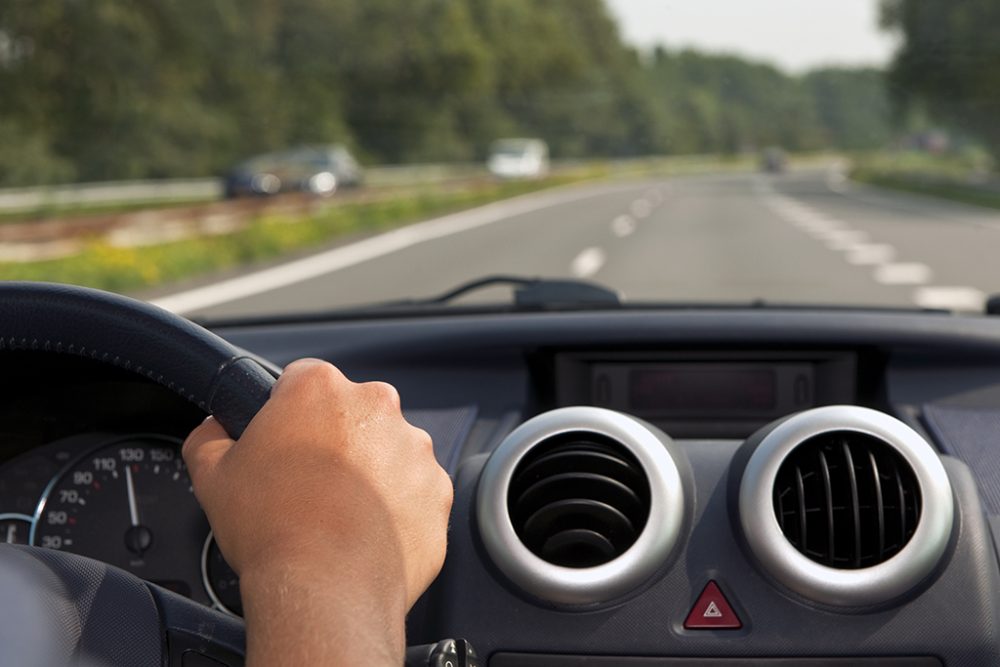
(423,439)
(316,378)
(383,393)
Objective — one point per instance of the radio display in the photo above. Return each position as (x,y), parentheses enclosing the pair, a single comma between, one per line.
(671,389)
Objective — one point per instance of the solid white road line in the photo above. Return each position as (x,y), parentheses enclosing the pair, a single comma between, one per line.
(588,262)
(950,298)
(622,226)
(903,273)
(342,257)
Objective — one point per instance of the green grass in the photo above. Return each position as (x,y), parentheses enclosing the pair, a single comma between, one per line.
(267,237)
(965,178)
(967,194)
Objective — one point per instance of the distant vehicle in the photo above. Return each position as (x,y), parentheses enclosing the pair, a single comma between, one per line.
(773,160)
(519,158)
(319,170)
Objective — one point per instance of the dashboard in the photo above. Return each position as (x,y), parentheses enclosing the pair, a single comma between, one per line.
(92,466)
(681,402)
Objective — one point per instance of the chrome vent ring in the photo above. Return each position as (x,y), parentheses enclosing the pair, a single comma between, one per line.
(845,505)
(581,505)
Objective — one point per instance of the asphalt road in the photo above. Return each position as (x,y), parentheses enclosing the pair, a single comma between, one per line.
(806,237)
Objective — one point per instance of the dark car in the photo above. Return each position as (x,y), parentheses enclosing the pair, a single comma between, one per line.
(773,160)
(319,170)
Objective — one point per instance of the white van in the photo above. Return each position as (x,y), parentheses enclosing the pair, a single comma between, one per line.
(519,158)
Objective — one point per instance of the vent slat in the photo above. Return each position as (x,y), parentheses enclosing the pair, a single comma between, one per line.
(578,500)
(565,485)
(827,506)
(847,499)
(901,492)
(800,492)
(879,504)
(855,503)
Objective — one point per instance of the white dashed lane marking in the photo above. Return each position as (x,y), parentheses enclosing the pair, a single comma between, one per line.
(903,273)
(845,239)
(588,262)
(865,254)
(860,251)
(640,208)
(950,298)
(623,225)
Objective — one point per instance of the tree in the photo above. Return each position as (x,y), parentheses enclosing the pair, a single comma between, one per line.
(948,62)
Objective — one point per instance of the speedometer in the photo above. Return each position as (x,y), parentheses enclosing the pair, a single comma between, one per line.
(129,503)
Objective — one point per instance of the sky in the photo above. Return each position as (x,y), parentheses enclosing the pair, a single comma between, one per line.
(794,34)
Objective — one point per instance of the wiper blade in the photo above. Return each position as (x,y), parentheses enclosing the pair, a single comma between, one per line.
(529,293)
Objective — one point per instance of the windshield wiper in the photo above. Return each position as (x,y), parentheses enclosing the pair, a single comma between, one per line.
(529,294)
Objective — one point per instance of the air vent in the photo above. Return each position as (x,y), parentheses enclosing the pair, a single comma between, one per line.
(579,506)
(578,500)
(845,505)
(847,500)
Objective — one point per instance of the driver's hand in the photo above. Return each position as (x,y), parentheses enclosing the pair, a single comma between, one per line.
(329,480)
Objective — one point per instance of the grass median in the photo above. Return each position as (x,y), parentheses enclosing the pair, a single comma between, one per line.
(269,237)
(129,269)
(966,179)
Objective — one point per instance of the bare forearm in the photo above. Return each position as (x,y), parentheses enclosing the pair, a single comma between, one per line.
(301,617)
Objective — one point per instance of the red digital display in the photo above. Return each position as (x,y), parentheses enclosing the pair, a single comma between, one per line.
(702,389)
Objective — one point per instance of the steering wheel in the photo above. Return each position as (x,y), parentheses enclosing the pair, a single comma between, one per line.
(60,609)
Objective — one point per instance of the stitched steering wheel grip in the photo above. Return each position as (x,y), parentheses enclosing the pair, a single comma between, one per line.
(219,378)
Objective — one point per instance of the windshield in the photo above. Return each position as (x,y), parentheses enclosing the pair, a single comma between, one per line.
(244,158)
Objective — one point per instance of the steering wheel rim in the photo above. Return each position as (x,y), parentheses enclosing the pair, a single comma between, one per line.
(194,363)
(96,614)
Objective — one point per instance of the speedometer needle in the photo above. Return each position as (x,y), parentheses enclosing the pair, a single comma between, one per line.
(138,538)
(133,507)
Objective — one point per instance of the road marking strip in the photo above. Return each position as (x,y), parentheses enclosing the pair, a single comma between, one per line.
(641,209)
(588,262)
(950,298)
(845,239)
(903,273)
(345,256)
(866,254)
(623,225)
(859,251)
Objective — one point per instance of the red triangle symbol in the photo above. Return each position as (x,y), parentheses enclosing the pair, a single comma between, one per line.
(712,611)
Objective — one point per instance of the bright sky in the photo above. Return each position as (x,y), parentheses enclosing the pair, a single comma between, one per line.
(794,34)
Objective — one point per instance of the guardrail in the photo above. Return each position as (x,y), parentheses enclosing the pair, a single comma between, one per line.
(85,195)
(96,194)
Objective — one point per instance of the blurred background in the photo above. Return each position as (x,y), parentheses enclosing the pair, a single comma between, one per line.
(420,107)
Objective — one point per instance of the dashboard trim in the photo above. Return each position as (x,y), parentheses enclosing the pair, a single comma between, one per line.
(838,587)
(591,585)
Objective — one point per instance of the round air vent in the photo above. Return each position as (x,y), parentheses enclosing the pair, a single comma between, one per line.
(845,505)
(579,506)
(847,500)
(578,500)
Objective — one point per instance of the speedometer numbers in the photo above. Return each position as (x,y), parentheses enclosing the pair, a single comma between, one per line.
(129,503)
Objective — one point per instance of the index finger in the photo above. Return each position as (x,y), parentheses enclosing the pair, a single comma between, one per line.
(204,446)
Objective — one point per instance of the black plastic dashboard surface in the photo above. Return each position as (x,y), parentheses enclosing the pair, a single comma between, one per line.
(472,379)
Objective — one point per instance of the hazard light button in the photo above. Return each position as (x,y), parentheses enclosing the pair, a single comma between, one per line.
(712,611)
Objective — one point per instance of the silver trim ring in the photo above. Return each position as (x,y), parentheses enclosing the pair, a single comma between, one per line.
(207,582)
(591,585)
(862,587)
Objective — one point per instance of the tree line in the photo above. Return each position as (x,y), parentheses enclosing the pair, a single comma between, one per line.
(111,89)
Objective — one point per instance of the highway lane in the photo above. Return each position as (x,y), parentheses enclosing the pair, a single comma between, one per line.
(802,237)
